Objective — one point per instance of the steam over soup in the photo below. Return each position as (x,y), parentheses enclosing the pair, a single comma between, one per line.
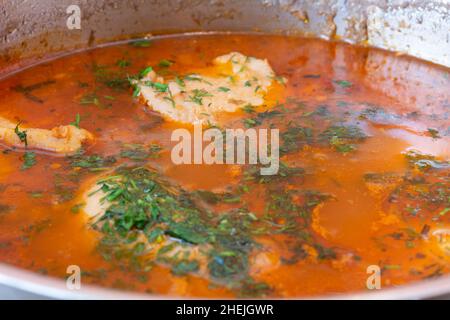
(363,179)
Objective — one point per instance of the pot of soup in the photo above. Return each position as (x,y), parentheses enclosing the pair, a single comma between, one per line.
(225,149)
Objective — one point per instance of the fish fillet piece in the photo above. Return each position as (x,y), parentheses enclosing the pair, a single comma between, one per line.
(102,202)
(62,139)
(95,207)
(232,82)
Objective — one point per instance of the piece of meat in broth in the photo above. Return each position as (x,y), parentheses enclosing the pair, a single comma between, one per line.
(95,205)
(62,139)
(100,204)
(234,81)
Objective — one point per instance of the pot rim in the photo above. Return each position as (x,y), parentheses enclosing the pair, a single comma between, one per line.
(53,288)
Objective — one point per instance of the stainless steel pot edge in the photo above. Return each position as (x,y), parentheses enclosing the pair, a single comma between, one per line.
(416,27)
(35,286)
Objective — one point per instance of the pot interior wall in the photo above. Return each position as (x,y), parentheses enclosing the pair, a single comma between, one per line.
(30,29)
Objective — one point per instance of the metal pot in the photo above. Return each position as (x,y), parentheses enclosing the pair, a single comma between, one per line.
(30,29)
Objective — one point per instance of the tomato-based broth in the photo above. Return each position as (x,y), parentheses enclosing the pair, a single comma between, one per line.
(363,179)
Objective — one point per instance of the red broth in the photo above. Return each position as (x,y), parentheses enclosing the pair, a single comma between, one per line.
(364,198)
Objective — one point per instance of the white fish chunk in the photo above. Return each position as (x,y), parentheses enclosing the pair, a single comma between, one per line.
(234,81)
(62,139)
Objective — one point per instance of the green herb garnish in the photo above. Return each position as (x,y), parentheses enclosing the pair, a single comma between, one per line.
(145,72)
(342,138)
(165,63)
(223,89)
(122,63)
(21,134)
(180,82)
(143,43)
(158,86)
(76,123)
(198,95)
(433,133)
(343,83)
(29,160)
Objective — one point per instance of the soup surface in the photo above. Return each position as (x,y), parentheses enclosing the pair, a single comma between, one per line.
(364,176)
